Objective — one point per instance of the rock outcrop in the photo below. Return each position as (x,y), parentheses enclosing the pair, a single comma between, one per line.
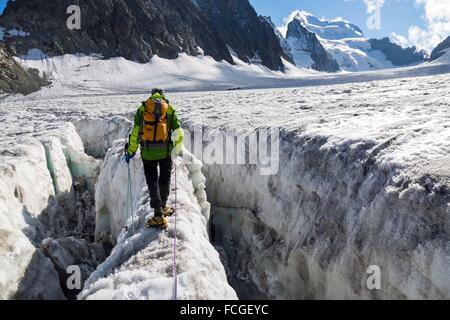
(396,54)
(303,42)
(139,29)
(440,50)
(250,36)
(133,29)
(16,79)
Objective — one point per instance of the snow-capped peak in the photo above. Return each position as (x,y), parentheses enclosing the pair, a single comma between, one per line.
(341,42)
(335,29)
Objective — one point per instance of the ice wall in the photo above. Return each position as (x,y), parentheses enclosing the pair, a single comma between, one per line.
(334,209)
(98,134)
(36,200)
(141,264)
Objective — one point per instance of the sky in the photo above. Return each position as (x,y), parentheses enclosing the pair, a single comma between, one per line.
(396,16)
(2,5)
(424,23)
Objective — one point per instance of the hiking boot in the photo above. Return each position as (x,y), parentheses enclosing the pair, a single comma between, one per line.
(168,211)
(157,222)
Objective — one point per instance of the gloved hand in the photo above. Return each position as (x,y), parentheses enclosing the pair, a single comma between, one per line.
(128,157)
(177,138)
(178,149)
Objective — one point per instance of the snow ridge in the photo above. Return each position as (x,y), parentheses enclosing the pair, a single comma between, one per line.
(140,265)
(330,30)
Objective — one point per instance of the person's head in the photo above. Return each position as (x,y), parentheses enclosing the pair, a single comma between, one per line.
(158,91)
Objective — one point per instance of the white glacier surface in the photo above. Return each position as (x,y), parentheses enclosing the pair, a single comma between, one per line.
(364,179)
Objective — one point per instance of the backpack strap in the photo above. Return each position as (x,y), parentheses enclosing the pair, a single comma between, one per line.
(157,113)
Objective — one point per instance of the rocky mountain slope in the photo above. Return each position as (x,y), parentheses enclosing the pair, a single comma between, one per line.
(283,42)
(250,36)
(133,29)
(396,54)
(307,50)
(440,50)
(15,78)
(139,29)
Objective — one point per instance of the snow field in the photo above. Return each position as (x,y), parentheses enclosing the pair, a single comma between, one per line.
(80,74)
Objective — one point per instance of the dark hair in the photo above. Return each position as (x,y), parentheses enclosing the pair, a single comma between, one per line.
(158,90)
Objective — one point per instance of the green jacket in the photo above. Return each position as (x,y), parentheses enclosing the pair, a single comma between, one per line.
(162,152)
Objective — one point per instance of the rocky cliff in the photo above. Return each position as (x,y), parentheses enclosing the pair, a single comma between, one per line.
(439,51)
(14,78)
(133,29)
(250,36)
(396,54)
(139,29)
(307,49)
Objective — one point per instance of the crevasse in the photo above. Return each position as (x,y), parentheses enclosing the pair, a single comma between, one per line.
(312,230)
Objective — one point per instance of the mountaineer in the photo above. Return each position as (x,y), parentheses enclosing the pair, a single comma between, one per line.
(158,131)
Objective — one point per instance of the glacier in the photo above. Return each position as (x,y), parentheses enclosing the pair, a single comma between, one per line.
(363,180)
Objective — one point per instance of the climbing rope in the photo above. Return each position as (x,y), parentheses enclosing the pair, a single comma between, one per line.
(175,275)
(130,214)
(130,200)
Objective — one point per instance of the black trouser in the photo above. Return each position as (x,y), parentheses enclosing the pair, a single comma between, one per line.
(158,187)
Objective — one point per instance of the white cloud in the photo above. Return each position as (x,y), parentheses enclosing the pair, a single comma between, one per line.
(437,19)
(400,40)
(338,19)
(435,10)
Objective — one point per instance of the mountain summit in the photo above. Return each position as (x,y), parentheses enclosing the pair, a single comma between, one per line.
(330,30)
(345,45)
(307,50)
